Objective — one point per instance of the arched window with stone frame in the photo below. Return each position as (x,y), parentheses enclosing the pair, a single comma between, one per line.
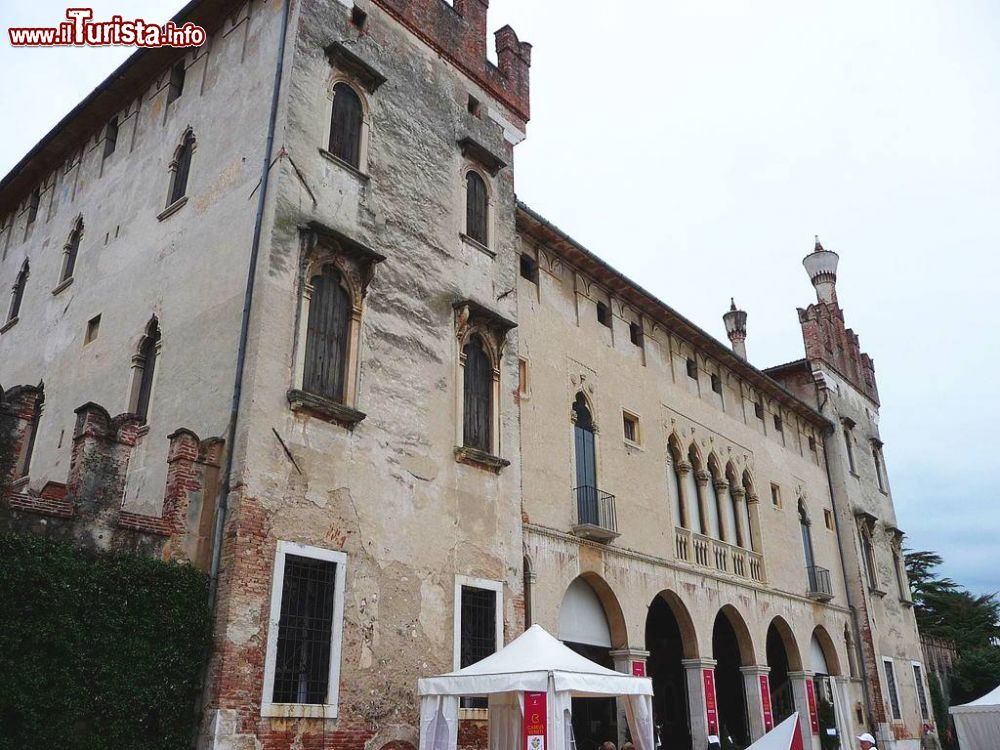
(677,468)
(17,293)
(70,251)
(694,482)
(737,507)
(180,167)
(478,214)
(866,531)
(334,278)
(144,363)
(481,335)
(348,125)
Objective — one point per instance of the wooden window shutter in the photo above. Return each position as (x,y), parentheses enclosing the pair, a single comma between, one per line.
(476,208)
(327,336)
(345,125)
(478,397)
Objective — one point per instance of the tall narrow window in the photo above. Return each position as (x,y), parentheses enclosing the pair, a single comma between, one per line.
(692,369)
(181,168)
(478,413)
(148,352)
(877,458)
(478,626)
(604,315)
(345,125)
(71,250)
(476,207)
(33,201)
(529,268)
(176,86)
(110,137)
(327,334)
(635,334)
(674,482)
(807,546)
(918,678)
(586,462)
(890,683)
(302,663)
(897,566)
(17,293)
(868,552)
(849,444)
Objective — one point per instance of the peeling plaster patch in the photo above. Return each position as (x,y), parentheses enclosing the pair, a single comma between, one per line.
(433,602)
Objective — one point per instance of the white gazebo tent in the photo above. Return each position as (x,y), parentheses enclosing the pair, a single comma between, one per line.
(534,662)
(978,723)
(782,737)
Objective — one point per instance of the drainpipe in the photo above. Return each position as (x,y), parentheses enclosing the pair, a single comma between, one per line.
(223,496)
(843,566)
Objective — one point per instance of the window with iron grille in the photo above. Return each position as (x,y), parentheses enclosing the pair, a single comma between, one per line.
(890,683)
(476,208)
(345,125)
(302,665)
(918,678)
(479,624)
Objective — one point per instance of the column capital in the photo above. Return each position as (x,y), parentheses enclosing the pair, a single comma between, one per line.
(699,663)
(702,477)
(629,653)
(683,467)
(801,675)
(721,485)
(738,493)
(756,670)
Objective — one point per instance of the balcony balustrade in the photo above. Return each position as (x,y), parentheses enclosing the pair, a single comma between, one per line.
(595,514)
(713,553)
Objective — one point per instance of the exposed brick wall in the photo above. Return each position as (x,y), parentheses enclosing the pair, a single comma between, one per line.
(827,338)
(473,734)
(19,411)
(458,33)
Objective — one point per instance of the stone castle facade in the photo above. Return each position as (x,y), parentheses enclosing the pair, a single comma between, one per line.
(275,311)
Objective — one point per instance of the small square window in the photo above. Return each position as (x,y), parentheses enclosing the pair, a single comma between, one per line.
(358,17)
(475,107)
(716,383)
(603,314)
(828,518)
(93,326)
(635,333)
(692,369)
(758,410)
(631,425)
(529,268)
(777,423)
(775,495)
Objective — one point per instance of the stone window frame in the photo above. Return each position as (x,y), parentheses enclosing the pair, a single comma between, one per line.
(489,247)
(629,415)
(476,583)
(895,708)
(70,254)
(338,77)
(17,296)
(473,319)
(923,693)
(866,537)
(329,709)
(137,369)
(175,205)
(356,264)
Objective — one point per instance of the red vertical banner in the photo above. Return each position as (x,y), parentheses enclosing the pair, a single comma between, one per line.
(711,710)
(797,736)
(638,668)
(535,721)
(765,702)
(813,717)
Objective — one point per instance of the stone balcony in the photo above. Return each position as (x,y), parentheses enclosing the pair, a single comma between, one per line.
(706,552)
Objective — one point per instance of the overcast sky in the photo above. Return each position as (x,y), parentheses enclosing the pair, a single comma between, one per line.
(698,145)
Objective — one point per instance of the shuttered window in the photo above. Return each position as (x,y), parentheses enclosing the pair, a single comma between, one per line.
(476,207)
(345,125)
(327,336)
(478,390)
(179,187)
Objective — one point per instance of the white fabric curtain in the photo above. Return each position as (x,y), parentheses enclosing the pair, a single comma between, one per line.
(639,712)
(439,722)
(560,716)
(506,711)
(978,730)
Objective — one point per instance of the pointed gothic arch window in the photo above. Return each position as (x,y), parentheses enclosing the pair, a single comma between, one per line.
(180,167)
(17,292)
(327,335)
(71,250)
(346,123)
(144,364)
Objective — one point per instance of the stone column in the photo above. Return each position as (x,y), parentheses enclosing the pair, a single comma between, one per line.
(755,699)
(801,695)
(722,496)
(697,706)
(739,497)
(630,661)
(682,471)
(703,478)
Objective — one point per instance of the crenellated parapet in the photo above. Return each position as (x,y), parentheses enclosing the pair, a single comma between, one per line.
(88,507)
(458,33)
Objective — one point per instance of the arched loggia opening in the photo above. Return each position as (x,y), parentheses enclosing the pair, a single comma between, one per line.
(670,637)
(587,627)
(782,658)
(825,665)
(731,649)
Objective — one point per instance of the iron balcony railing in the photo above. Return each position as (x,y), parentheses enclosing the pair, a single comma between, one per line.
(595,509)
(819,583)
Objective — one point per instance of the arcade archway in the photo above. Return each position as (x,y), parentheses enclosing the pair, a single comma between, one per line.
(782,658)
(670,638)
(731,649)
